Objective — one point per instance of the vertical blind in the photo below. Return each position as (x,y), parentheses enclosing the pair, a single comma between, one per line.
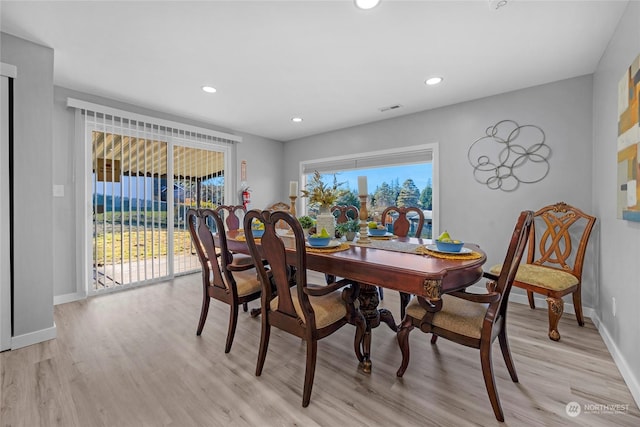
(145,173)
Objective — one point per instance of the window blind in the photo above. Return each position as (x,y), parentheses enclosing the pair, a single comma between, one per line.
(397,157)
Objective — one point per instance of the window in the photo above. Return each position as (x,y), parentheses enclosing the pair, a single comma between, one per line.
(404,176)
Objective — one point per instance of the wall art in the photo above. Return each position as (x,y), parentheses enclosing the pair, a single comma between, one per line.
(509,155)
(628,197)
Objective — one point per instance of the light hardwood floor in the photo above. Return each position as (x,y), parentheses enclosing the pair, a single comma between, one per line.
(133,359)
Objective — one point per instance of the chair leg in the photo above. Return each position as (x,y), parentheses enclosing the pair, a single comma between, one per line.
(577,305)
(264,344)
(233,321)
(310,370)
(434,338)
(245,307)
(381,292)
(404,302)
(203,314)
(506,354)
(532,302)
(403,342)
(556,308)
(489,379)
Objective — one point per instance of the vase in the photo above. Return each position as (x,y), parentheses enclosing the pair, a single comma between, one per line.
(326,220)
(350,235)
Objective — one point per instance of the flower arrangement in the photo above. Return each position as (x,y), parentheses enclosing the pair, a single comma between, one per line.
(321,194)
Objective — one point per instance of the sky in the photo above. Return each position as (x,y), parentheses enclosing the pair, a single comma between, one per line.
(420,173)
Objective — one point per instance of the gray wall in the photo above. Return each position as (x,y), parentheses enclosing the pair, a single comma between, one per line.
(619,270)
(264,174)
(467,208)
(32,173)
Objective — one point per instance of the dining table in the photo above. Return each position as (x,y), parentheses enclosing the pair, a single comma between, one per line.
(405,264)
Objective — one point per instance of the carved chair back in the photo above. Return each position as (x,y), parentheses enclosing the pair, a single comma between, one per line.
(557,230)
(345,213)
(230,215)
(402,225)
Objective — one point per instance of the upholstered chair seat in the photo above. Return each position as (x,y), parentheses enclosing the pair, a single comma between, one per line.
(542,277)
(458,315)
(242,262)
(247,282)
(328,308)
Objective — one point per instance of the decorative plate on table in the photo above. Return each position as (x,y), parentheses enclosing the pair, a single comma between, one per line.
(434,248)
(386,234)
(331,244)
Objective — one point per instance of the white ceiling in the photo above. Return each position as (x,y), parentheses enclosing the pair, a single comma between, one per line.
(326,61)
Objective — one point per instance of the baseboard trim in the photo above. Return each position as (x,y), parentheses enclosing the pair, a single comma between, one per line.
(62,299)
(33,337)
(619,360)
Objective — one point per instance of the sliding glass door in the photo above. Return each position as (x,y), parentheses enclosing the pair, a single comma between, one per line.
(142,184)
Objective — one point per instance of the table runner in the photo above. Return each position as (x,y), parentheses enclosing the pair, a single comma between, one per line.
(414,248)
(390,245)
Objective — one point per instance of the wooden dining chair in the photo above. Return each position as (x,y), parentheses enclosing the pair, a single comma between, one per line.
(473,320)
(308,311)
(218,281)
(345,213)
(229,215)
(401,228)
(557,246)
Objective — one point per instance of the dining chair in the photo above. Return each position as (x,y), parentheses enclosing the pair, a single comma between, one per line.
(557,247)
(218,281)
(229,215)
(473,320)
(401,228)
(310,312)
(345,213)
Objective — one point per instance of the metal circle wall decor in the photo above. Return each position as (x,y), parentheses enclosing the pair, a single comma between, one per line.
(502,164)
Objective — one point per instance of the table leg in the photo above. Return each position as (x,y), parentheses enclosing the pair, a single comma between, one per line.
(373,316)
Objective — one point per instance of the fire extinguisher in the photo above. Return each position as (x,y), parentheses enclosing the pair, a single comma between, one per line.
(246,198)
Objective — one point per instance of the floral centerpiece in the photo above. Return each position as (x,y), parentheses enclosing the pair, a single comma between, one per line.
(321,194)
(324,196)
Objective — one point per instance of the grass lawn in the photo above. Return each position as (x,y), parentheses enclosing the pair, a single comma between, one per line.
(113,247)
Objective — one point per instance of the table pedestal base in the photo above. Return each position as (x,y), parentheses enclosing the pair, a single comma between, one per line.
(373,316)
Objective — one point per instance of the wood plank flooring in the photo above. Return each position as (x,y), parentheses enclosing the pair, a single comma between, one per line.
(132,359)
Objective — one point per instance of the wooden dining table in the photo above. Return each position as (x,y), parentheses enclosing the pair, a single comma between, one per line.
(423,275)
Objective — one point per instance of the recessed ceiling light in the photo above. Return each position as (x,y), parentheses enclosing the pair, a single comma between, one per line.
(433,81)
(296,119)
(209,89)
(366,4)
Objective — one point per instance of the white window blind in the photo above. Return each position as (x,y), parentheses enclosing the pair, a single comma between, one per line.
(395,157)
(138,177)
